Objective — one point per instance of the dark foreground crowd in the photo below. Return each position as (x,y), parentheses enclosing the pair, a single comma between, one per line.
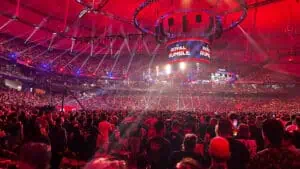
(38,138)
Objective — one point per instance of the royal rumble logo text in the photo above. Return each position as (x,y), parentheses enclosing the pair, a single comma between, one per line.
(183,51)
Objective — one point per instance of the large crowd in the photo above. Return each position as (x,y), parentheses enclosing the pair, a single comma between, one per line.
(59,61)
(260,134)
(153,126)
(81,64)
(201,103)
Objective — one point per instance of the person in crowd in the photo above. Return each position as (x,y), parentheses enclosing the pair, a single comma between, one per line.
(288,141)
(106,163)
(158,148)
(188,163)
(211,128)
(131,139)
(150,123)
(275,155)
(35,156)
(188,147)
(104,128)
(41,136)
(256,132)
(58,138)
(77,139)
(219,151)
(239,153)
(244,137)
(296,134)
(91,137)
(291,123)
(175,137)
(15,132)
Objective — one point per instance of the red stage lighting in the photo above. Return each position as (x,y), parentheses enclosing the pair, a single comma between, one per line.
(28,61)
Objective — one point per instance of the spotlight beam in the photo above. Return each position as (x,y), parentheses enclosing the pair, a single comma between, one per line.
(127,45)
(36,29)
(60,55)
(101,61)
(32,33)
(74,58)
(43,41)
(118,55)
(52,40)
(84,62)
(146,47)
(92,48)
(99,51)
(87,58)
(253,43)
(6,23)
(18,8)
(132,55)
(101,36)
(66,13)
(125,38)
(154,55)
(72,44)
(13,38)
(40,54)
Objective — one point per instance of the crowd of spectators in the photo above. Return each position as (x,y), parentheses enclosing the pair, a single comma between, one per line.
(63,62)
(11,97)
(202,103)
(81,64)
(145,131)
(34,137)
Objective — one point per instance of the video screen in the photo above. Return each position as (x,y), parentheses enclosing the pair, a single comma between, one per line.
(191,50)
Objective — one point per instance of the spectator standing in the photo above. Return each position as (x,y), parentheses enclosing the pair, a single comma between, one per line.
(189,144)
(175,137)
(296,139)
(256,133)
(58,138)
(275,155)
(219,151)
(244,137)
(35,156)
(239,153)
(104,128)
(158,148)
(188,163)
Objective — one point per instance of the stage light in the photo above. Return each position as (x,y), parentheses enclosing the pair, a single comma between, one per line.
(168,69)
(52,40)
(182,66)
(186,3)
(110,75)
(28,61)
(78,72)
(12,55)
(45,66)
(6,23)
(72,45)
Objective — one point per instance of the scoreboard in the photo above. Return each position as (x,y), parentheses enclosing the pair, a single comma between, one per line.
(189,50)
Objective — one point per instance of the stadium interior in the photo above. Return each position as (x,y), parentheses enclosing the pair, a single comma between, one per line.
(143,60)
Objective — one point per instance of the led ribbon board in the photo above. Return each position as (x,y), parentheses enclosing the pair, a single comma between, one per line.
(189,50)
